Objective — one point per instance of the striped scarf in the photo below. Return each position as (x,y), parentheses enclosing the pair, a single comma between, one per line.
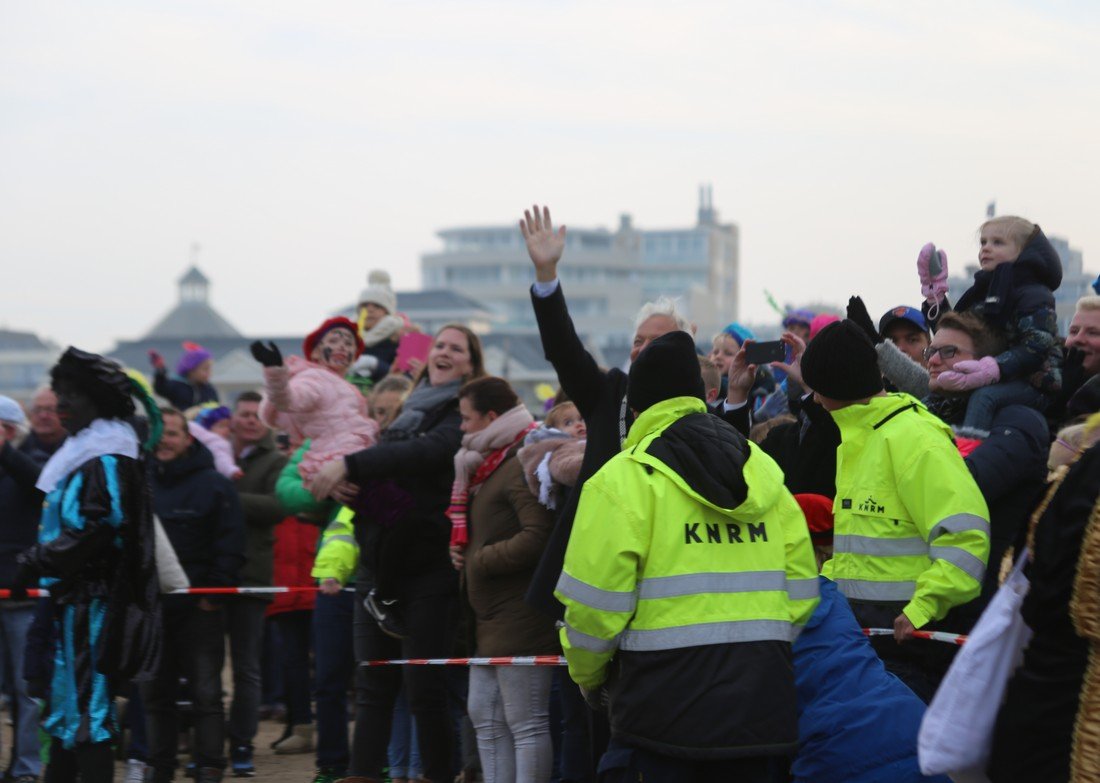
(482,453)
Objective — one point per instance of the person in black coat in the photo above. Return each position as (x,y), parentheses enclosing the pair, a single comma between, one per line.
(201,514)
(600,395)
(1042,721)
(401,491)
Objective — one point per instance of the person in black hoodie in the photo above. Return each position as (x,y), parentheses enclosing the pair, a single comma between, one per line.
(201,514)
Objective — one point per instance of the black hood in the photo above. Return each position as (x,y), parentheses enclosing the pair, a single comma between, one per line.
(1039,263)
(708,454)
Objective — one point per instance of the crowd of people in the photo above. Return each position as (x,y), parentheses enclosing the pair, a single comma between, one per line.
(703,535)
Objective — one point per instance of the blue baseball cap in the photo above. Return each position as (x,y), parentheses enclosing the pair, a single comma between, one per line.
(902,313)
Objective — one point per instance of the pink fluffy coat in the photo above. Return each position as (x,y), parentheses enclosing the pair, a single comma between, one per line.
(219,447)
(310,402)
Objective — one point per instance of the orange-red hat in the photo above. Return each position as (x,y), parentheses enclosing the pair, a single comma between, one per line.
(339,322)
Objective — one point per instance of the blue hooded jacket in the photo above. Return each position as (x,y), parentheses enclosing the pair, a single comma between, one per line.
(857,723)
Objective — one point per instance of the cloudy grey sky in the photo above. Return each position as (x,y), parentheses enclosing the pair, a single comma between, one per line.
(303,143)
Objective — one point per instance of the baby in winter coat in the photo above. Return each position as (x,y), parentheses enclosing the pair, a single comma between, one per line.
(211,428)
(309,398)
(1014,293)
(552,454)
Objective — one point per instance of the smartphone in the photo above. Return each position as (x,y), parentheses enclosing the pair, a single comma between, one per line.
(766,352)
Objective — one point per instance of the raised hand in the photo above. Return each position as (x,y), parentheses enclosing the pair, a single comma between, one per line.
(793,368)
(932,271)
(267,355)
(857,314)
(544,245)
(742,376)
(156,360)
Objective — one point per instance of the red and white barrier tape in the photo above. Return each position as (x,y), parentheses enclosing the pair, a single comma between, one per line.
(934,636)
(36,593)
(515,660)
(535,660)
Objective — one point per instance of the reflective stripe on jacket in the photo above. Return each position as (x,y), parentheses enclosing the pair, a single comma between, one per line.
(653,565)
(911,524)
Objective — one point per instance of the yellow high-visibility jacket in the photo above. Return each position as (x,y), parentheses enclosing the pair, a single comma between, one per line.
(338,552)
(691,565)
(911,526)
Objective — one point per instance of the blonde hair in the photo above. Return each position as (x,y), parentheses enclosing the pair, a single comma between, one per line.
(712,378)
(1019,230)
(1088,304)
(760,431)
(1073,440)
(557,413)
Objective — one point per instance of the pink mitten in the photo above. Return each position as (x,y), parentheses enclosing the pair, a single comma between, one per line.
(971,374)
(932,270)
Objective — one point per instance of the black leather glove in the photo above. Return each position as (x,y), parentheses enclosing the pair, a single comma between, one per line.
(598,700)
(857,314)
(267,355)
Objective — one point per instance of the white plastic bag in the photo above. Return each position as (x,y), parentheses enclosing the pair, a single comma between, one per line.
(957,731)
(170,573)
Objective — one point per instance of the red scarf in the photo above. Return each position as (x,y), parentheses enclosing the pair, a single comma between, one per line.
(460,498)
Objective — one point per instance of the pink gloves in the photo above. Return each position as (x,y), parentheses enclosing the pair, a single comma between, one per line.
(970,374)
(932,270)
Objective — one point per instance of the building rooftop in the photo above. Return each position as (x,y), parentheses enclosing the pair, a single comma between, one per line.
(21,341)
(193,318)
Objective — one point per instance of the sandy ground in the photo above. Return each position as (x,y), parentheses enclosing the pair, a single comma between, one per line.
(270,768)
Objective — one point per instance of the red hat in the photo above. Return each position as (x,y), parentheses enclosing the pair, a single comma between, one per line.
(339,322)
(818,511)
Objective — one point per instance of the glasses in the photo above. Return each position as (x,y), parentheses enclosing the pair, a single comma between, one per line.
(945,351)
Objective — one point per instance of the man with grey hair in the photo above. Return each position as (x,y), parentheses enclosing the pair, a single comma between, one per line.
(21,460)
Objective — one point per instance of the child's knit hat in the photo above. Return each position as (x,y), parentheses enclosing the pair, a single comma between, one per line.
(379,292)
(193,355)
(210,416)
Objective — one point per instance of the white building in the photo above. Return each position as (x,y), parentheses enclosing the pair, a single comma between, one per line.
(607,275)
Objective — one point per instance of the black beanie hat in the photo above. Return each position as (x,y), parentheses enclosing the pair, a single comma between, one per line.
(841,363)
(667,368)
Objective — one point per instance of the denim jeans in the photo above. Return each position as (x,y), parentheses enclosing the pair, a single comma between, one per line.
(404,749)
(333,667)
(986,401)
(244,620)
(296,632)
(138,747)
(194,647)
(429,621)
(14,624)
(510,709)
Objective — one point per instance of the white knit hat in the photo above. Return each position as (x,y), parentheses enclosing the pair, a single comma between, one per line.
(11,411)
(379,292)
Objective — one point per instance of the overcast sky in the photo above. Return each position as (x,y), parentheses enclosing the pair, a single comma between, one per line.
(304,143)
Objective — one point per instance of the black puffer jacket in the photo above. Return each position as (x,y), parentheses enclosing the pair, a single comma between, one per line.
(201,514)
(1018,298)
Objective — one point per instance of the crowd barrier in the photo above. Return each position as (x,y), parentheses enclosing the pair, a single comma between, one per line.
(523,660)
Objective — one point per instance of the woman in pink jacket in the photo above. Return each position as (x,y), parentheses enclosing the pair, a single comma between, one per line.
(309,398)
